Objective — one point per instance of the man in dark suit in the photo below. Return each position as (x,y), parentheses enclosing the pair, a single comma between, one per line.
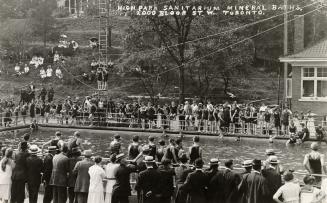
(19,175)
(47,164)
(166,183)
(182,172)
(196,183)
(34,170)
(273,177)
(214,164)
(231,182)
(254,186)
(147,183)
(59,176)
(73,159)
(122,188)
(82,183)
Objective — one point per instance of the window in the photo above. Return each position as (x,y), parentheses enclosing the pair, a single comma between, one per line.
(314,83)
(322,88)
(308,72)
(308,88)
(321,72)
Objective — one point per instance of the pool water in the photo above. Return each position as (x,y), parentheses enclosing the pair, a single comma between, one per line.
(213,147)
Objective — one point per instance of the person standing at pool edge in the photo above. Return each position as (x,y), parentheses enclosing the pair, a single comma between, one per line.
(314,162)
(195,150)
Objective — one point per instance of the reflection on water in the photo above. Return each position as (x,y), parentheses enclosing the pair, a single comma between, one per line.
(226,148)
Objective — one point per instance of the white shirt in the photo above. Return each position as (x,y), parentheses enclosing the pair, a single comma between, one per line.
(42,73)
(290,192)
(17,68)
(49,72)
(56,57)
(26,69)
(58,73)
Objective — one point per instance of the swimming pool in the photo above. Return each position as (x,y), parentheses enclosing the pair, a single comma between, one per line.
(213,147)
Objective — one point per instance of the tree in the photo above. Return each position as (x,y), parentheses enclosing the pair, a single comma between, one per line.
(14,37)
(43,23)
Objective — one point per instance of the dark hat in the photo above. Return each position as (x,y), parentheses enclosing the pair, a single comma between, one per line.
(229,163)
(183,158)
(256,162)
(198,163)
(76,151)
(162,142)
(117,137)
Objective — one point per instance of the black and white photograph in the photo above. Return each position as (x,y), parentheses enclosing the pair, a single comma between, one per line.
(163,101)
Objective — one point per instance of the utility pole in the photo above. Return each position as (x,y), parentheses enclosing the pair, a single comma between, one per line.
(285,49)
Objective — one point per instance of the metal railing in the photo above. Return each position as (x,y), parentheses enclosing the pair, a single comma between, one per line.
(249,126)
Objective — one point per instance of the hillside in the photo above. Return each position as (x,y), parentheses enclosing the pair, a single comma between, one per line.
(259,83)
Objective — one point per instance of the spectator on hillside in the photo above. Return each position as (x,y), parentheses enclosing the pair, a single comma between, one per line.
(17,70)
(49,71)
(43,94)
(43,74)
(26,69)
(50,94)
(59,73)
(56,57)
(94,65)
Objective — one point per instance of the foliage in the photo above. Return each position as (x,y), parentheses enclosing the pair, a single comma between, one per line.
(15,36)
(43,23)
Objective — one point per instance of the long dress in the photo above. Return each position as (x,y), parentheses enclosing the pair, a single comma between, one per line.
(97,174)
(110,170)
(5,181)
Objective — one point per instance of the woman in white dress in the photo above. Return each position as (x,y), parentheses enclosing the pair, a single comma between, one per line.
(110,175)
(97,174)
(6,167)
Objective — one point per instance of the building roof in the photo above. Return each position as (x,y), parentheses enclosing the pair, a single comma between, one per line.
(317,52)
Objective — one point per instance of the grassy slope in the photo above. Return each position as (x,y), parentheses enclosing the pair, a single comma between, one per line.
(260,86)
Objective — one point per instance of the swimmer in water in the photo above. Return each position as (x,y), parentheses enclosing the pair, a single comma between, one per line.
(293,140)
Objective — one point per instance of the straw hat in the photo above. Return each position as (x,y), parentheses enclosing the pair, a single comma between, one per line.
(34,149)
(87,153)
(148,159)
(214,162)
(273,160)
(247,164)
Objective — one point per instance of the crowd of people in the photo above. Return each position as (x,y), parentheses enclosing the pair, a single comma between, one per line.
(162,173)
(191,116)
